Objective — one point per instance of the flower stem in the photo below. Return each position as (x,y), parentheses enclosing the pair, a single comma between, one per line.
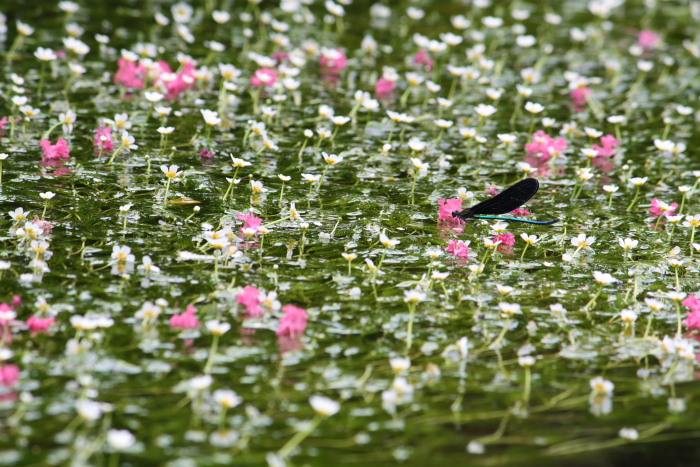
(409,333)
(212,353)
(167,190)
(299,437)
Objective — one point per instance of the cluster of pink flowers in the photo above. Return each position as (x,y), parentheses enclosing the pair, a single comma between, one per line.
(423,58)
(507,241)
(384,88)
(57,151)
(294,321)
(693,319)
(603,160)
(38,324)
(657,211)
(134,75)
(648,40)
(251,222)
(292,324)
(9,374)
(520,212)
(186,320)
(579,97)
(609,143)
(264,77)
(458,248)
(103,139)
(207,154)
(335,63)
(447,207)
(544,146)
(250,298)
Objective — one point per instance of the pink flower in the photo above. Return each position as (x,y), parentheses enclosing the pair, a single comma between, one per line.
(103,139)
(384,87)
(45,226)
(129,74)
(692,321)
(207,154)
(16,301)
(459,249)
(447,207)
(176,84)
(507,239)
(264,77)
(60,150)
(609,144)
(294,321)
(520,212)
(36,323)
(280,56)
(544,146)
(657,211)
(648,39)
(7,314)
(288,344)
(579,96)
(3,122)
(334,63)
(9,374)
(493,191)
(186,320)
(250,298)
(251,222)
(423,58)
(692,302)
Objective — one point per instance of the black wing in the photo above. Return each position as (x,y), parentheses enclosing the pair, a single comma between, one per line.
(508,200)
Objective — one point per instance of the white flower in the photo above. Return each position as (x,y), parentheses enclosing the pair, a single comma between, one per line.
(399,364)
(217,328)
(88,410)
(211,117)
(127,141)
(414,296)
(324,406)
(170,172)
(47,195)
(603,278)
(332,159)
(629,434)
(153,96)
(510,309)
(310,178)
(582,241)
(200,383)
(227,398)
(526,360)
(529,239)
(45,55)
(628,243)
(120,440)
(484,110)
(388,242)
(533,107)
(166,130)
(628,316)
(602,386)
